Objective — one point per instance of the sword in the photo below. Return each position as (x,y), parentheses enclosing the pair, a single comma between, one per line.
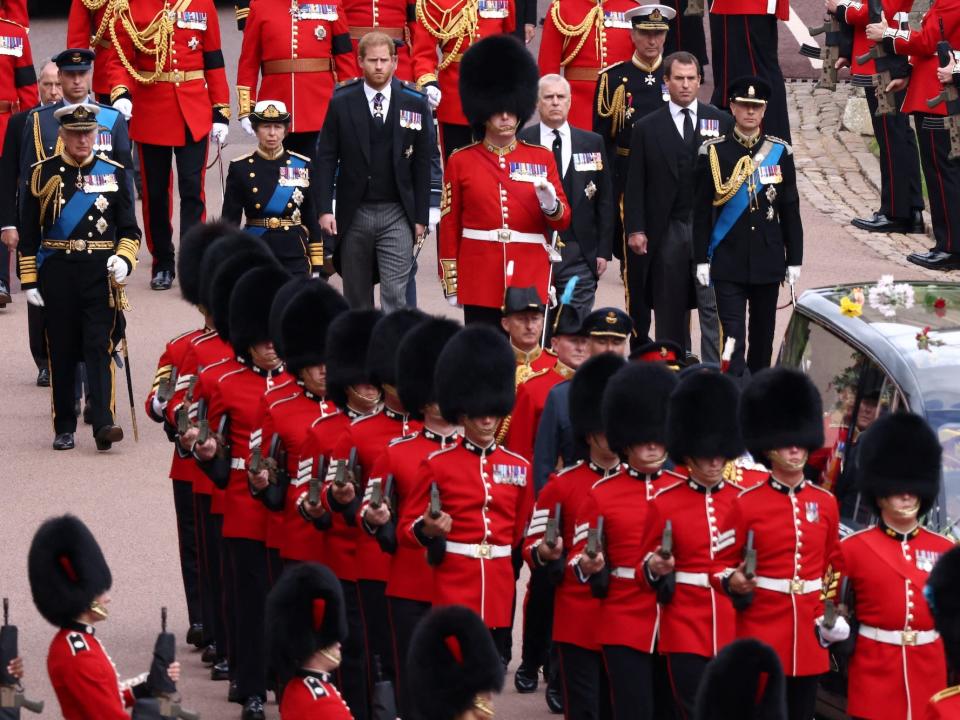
(119,298)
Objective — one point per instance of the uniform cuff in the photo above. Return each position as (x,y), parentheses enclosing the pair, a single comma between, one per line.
(28,271)
(127,249)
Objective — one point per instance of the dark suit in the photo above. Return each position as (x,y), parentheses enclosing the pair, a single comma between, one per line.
(658,201)
(344,160)
(590,235)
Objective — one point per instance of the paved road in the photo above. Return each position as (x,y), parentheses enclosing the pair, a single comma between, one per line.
(125,495)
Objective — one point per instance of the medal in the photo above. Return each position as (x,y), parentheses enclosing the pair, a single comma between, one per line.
(320,32)
(650,79)
(193,43)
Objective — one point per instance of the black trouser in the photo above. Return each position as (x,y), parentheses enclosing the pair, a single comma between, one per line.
(537,621)
(289,246)
(943,185)
(352,673)
(900,189)
(156,164)
(376,625)
(304,143)
(482,314)
(79,324)
(248,567)
(802,697)
(5,265)
(634,269)
(274,566)
(405,615)
(630,674)
(453,137)
(189,547)
(581,672)
(732,302)
(747,45)
(36,330)
(686,671)
(211,574)
(686,33)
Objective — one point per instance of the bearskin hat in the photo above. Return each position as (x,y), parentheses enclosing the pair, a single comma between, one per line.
(451,660)
(586,391)
(475,374)
(348,338)
(304,323)
(283,297)
(387,334)
(67,569)
(305,612)
(417,362)
(943,597)
(744,681)
(223,249)
(193,247)
(635,405)
(498,74)
(780,407)
(225,277)
(250,306)
(899,453)
(702,419)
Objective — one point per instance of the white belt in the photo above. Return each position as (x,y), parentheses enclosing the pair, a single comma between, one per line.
(790,587)
(478,551)
(238,464)
(697,579)
(504,235)
(899,637)
(628,573)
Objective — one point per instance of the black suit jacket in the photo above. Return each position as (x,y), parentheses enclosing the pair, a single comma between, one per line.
(592,211)
(343,158)
(10,170)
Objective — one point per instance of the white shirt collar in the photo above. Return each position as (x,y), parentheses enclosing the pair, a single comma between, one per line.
(547,131)
(370,92)
(675,109)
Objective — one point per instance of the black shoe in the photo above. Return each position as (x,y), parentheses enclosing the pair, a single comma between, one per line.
(220,671)
(253,710)
(916,224)
(106,436)
(195,635)
(881,223)
(162,280)
(63,441)
(936,260)
(4,294)
(233,693)
(554,698)
(525,679)
(87,413)
(209,654)
(43,378)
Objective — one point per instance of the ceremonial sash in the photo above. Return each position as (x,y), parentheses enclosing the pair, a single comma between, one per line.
(879,544)
(281,196)
(78,206)
(736,205)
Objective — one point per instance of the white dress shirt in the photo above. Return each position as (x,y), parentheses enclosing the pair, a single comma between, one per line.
(566,148)
(676,112)
(371,93)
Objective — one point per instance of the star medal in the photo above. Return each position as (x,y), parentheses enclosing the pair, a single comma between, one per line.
(101,203)
(294,10)
(650,79)
(101,225)
(320,32)
(295,215)
(408,152)
(79,182)
(771,193)
(297,196)
(770,213)
(193,43)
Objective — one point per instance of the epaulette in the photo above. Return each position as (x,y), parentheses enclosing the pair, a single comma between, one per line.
(476,142)
(610,67)
(14,22)
(749,490)
(946,693)
(206,336)
(821,489)
(101,156)
(77,642)
(661,491)
(861,531)
(531,144)
(294,396)
(442,450)
(360,419)
(298,155)
(325,417)
(551,352)
(705,146)
(403,439)
(602,480)
(675,474)
(568,468)
(411,89)
(948,538)
(245,157)
(518,456)
(345,84)
(229,373)
(212,365)
(782,142)
(179,337)
(536,373)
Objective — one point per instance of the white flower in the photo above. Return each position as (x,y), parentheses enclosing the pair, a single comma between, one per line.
(886,296)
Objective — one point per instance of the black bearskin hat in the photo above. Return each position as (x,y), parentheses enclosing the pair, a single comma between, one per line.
(305,321)
(744,681)
(586,391)
(224,248)
(943,596)
(67,569)
(384,342)
(224,279)
(193,247)
(305,612)
(347,340)
(779,408)
(635,405)
(475,374)
(250,306)
(417,362)
(702,419)
(498,74)
(279,305)
(451,660)
(899,453)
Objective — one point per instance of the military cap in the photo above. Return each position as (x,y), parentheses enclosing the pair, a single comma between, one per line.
(386,337)
(749,89)
(417,362)
(305,321)
(744,680)
(608,321)
(348,338)
(250,304)
(662,351)
(586,392)
(81,117)
(567,321)
(702,418)
(780,407)
(943,596)
(278,306)
(226,275)
(635,405)
(75,59)
(498,74)
(269,111)
(651,17)
(475,374)
(517,300)
(194,244)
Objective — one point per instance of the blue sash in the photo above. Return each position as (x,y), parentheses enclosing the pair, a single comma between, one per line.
(737,204)
(281,196)
(77,206)
(107,117)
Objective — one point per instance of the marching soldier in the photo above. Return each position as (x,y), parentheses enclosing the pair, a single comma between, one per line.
(522,320)
(271,188)
(502,197)
(747,232)
(778,540)
(79,241)
(18,79)
(941,593)
(299,52)
(92,24)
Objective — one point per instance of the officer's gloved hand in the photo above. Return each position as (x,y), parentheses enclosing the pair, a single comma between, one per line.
(793,274)
(219,133)
(34,297)
(118,268)
(546,194)
(125,107)
(453,300)
(703,274)
(433,96)
(838,633)
(247,126)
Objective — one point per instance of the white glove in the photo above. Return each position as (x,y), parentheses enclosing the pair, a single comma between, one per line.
(34,297)
(453,300)
(219,133)
(793,274)
(157,406)
(247,125)
(546,194)
(125,107)
(703,274)
(118,268)
(433,96)
(838,633)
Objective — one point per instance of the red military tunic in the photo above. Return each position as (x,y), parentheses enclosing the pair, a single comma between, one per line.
(396,18)
(89,28)
(857,15)
(260,439)
(780,8)
(921,46)
(484,491)
(313,696)
(945,705)
(84,677)
(581,37)
(445,26)
(16,10)
(531,399)
(490,215)
(190,90)
(699,619)
(744,474)
(888,571)
(796,535)
(18,79)
(298,55)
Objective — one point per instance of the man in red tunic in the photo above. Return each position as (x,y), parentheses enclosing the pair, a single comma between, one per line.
(18,78)
(942,594)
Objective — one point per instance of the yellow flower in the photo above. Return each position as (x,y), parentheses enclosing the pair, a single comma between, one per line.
(850,308)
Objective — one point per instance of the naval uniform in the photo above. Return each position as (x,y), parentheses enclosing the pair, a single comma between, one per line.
(311,695)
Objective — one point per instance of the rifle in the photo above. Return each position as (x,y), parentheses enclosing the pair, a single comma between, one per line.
(830,614)
(949,95)
(167,386)
(437,549)
(386,533)
(202,422)
(256,461)
(742,602)
(182,417)
(599,581)
(885,65)
(158,680)
(832,30)
(347,470)
(376,493)
(667,584)
(552,533)
(666,541)
(11,692)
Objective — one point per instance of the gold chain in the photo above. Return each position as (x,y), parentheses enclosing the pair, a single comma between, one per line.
(50,192)
(615,108)
(741,171)
(459,22)
(153,40)
(593,20)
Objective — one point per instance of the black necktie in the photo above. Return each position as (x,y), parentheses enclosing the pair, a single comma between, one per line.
(687,126)
(378,108)
(558,151)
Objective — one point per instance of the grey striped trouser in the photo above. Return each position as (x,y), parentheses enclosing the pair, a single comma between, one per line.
(380,239)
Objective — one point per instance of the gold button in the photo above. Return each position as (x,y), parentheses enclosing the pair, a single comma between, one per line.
(257,206)
(62,169)
(89,217)
(253,174)
(255,190)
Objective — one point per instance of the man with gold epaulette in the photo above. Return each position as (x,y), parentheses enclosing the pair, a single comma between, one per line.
(522,321)
(79,241)
(747,231)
